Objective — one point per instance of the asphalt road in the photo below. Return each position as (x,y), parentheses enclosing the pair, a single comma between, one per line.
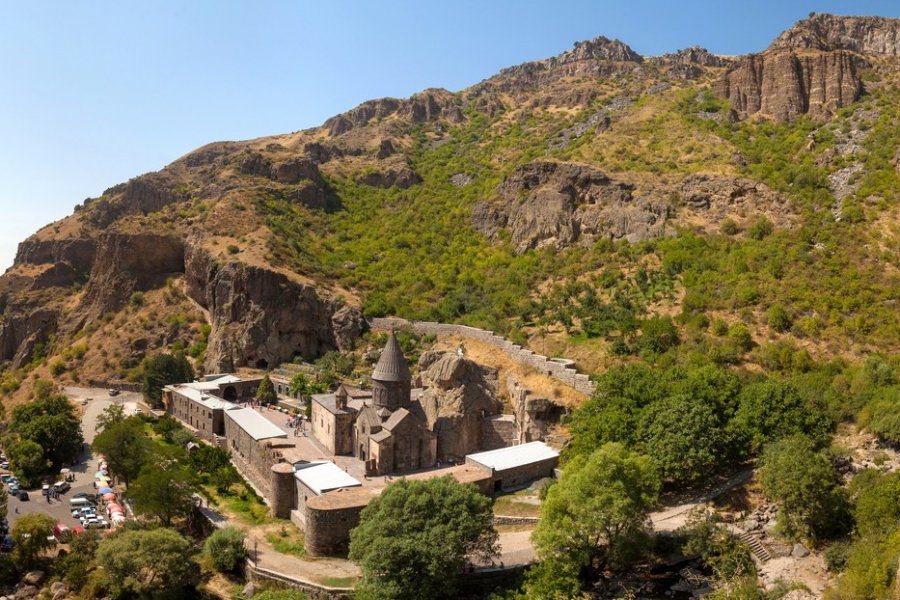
(97,401)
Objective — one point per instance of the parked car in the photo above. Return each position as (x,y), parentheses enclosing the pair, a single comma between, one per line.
(6,478)
(62,533)
(95,523)
(137,410)
(62,487)
(6,544)
(87,495)
(113,392)
(45,489)
(4,465)
(23,495)
(13,489)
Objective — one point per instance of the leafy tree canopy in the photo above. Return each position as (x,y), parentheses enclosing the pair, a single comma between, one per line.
(265,393)
(30,536)
(161,370)
(141,562)
(414,539)
(125,446)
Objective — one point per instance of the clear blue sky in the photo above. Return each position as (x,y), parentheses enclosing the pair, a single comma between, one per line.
(94,93)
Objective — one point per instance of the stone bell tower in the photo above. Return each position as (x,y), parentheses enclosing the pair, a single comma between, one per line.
(391,379)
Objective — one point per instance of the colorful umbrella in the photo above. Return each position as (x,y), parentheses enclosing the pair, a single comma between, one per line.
(105,490)
(115,508)
(109,497)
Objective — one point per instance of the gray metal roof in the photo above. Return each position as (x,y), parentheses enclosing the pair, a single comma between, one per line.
(392,364)
(257,426)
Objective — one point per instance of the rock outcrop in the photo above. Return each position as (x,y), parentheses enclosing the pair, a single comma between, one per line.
(535,416)
(717,198)
(561,204)
(430,105)
(139,196)
(458,395)
(261,317)
(874,36)
(688,63)
(600,57)
(402,178)
(784,84)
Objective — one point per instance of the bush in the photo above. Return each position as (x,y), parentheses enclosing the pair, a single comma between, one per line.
(225,549)
(136,299)
(778,318)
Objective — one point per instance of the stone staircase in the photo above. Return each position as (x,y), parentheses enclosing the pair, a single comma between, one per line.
(756,547)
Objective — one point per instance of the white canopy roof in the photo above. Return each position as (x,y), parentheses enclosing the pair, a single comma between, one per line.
(257,426)
(514,456)
(322,477)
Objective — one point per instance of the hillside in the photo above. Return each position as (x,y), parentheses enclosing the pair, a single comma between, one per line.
(572,204)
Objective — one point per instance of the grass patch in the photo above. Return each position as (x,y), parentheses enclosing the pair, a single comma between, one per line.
(287,541)
(512,505)
(246,507)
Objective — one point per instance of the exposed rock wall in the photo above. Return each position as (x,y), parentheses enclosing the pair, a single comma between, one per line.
(534,416)
(865,35)
(429,105)
(784,84)
(459,394)
(261,317)
(561,204)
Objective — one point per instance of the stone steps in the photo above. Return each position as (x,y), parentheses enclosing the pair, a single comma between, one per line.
(756,547)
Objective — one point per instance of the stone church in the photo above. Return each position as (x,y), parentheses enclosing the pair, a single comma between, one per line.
(388,431)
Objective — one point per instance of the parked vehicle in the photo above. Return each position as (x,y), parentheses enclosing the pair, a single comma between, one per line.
(4,465)
(23,495)
(87,495)
(45,489)
(6,478)
(7,543)
(62,533)
(80,502)
(113,392)
(13,489)
(62,487)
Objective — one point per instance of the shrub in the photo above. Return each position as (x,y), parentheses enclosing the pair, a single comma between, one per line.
(225,549)
(136,299)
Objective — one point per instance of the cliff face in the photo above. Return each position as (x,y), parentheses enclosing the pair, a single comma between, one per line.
(811,68)
(561,204)
(864,35)
(260,317)
(784,84)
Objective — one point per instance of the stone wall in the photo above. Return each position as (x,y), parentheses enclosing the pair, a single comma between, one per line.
(560,369)
(519,476)
(327,529)
(497,432)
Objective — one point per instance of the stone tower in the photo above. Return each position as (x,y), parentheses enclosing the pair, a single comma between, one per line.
(391,378)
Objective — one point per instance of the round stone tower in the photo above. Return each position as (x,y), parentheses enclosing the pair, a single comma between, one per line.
(391,379)
(284,490)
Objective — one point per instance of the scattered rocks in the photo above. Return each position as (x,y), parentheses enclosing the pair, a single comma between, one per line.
(58,590)
(34,577)
(402,178)
(461,180)
(249,590)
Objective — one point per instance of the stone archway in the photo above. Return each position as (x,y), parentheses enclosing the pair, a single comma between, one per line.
(230,393)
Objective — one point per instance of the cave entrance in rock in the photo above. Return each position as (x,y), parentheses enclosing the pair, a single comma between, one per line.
(230,393)
(262,364)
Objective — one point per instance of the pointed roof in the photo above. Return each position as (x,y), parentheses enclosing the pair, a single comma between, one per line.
(340,392)
(392,365)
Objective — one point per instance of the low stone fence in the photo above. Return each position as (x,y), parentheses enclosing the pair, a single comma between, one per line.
(125,386)
(563,370)
(254,573)
(517,520)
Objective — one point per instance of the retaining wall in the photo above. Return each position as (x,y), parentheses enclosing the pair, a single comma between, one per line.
(560,369)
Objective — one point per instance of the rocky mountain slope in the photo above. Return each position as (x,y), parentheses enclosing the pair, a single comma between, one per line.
(687,184)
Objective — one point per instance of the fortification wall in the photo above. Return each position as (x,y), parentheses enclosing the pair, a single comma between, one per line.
(327,530)
(560,369)
(497,432)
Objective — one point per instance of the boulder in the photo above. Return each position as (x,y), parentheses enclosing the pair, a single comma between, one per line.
(458,395)
(34,577)
(799,551)
(249,590)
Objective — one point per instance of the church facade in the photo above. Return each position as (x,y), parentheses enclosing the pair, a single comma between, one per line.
(389,431)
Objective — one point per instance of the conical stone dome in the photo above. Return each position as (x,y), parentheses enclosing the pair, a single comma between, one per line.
(392,364)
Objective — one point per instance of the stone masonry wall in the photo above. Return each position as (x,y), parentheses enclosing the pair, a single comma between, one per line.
(562,370)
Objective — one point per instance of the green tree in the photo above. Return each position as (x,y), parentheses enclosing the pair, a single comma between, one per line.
(806,486)
(265,393)
(778,318)
(685,438)
(125,446)
(225,549)
(161,370)
(597,514)
(30,537)
(877,507)
(143,562)
(50,422)
(413,540)
(114,413)
(719,550)
(164,491)
(26,458)
(658,334)
(773,409)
